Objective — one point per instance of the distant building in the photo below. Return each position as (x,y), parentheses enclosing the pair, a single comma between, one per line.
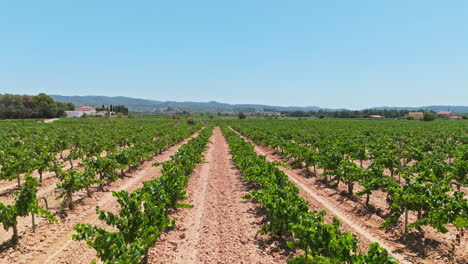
(267,113)
(101,113)
(416,115)
(104,113)
(82,110)
(169,111)
(445,114)
(448,115)
(376,116)
(73,113)
(454,117)
(86,109)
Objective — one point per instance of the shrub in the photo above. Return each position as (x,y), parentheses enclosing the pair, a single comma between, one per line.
(191,121)
(429,116)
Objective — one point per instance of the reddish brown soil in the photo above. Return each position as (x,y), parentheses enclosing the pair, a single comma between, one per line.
(52,242)
(365,223)
(222,227)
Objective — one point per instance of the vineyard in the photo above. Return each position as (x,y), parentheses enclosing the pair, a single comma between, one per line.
(165,190)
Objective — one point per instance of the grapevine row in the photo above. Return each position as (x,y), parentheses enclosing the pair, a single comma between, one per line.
(422,171)
(94,169)
(288,214)
(144,213)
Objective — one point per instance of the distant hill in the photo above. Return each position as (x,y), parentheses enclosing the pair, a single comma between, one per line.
(133,104)
(144,105)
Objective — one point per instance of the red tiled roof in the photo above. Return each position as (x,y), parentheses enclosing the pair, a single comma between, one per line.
(85,108)
(445,113)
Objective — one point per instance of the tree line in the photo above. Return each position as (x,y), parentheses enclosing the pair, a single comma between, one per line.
(114,108)
(366,113)
(14,106)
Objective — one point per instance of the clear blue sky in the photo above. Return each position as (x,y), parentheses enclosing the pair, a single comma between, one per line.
(352,54)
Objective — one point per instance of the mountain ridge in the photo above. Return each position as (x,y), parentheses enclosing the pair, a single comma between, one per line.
(147,105)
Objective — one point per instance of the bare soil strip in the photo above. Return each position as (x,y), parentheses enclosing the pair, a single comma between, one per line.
(222,227)
(52,242)
(50,120)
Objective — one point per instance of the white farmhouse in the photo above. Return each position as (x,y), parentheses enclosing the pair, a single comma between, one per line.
(80,111)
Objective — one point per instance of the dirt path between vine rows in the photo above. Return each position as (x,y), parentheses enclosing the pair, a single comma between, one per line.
(52,242)
(222,227)
(50,120)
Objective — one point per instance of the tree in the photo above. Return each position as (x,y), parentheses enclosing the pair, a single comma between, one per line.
(242,115)
(44,106)
(120,109)
(67,106)
(27,106)
(429,116)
